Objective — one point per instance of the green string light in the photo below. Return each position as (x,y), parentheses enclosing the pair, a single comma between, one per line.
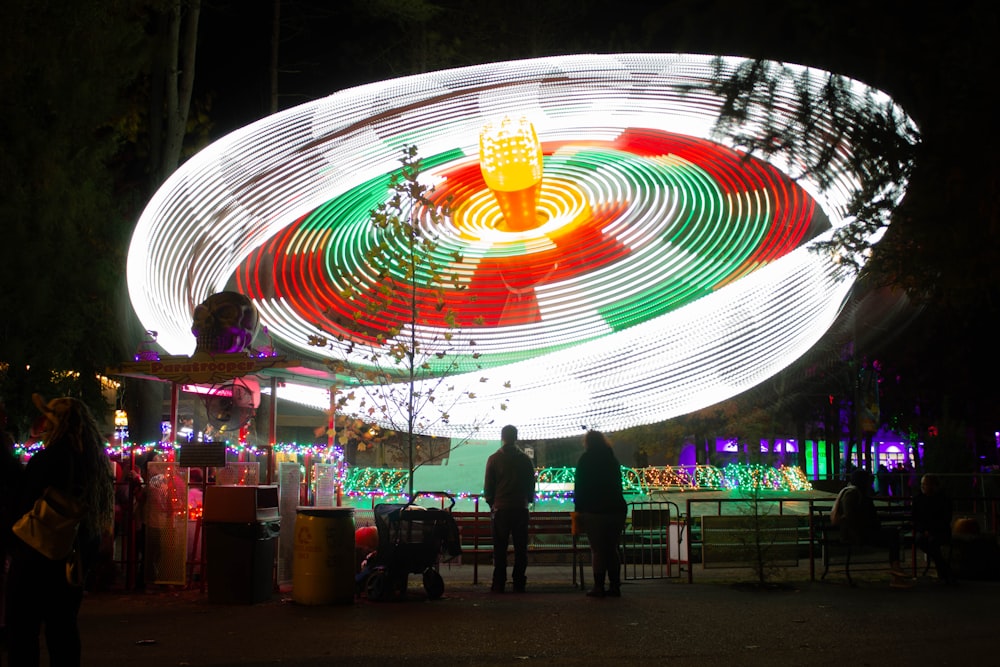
(554,484)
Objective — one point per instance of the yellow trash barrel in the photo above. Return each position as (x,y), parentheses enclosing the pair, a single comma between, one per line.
(323,559)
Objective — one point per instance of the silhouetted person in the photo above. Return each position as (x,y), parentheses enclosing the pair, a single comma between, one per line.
(600,506)
(509,489)
(75,462)
(854,512)
(884,480)
(932,523)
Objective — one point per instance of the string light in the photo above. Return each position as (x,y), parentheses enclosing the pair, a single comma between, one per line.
(553,483)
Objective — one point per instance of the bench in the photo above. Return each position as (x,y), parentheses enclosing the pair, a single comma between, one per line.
(839,555)
(552,538)
(734,541)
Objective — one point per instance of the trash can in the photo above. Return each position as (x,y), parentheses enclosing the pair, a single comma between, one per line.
(240,556)
(241,526)
(323,563)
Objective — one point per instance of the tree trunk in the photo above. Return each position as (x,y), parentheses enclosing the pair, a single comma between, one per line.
(173,84)
(275,46)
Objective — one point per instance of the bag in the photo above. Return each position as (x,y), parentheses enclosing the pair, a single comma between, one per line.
(51,526)
(74,569)
(837,513)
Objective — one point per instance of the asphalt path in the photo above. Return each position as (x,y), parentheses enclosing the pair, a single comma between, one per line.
(718,620)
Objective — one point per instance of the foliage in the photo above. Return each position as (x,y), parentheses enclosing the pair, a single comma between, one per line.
(762,534)
(697,427)
(884,147)
(883,143)
(63,72)
(77,143)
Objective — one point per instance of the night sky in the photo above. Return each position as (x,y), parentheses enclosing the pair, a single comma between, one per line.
(328,46)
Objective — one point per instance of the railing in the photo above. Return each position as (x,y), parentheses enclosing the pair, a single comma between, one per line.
(744,508)
(652,529)
(983,504)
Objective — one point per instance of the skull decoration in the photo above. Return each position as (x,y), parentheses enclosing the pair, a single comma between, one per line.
(224,323)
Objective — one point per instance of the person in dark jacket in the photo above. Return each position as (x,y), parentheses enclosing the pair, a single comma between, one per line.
(600,506)
(932,523)
(40,592)
(509,490)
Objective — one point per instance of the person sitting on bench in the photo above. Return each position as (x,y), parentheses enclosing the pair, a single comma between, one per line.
(854,513)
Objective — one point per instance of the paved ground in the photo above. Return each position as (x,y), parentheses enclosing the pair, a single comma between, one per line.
(713,622)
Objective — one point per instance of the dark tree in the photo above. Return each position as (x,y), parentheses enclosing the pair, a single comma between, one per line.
(63,72)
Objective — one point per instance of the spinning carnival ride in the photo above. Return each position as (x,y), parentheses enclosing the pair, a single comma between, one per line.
(619,263)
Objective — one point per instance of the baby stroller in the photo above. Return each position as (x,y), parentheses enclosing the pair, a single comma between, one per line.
(411,539)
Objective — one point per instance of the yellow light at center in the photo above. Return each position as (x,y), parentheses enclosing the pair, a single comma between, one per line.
(510,157)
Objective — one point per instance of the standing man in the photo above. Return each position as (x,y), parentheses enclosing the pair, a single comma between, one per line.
(509,489)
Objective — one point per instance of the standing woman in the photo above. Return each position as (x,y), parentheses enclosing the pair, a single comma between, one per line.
(600,505)
(74,461)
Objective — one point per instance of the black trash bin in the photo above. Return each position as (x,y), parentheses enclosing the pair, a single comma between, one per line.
(241,561)
(241,527)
